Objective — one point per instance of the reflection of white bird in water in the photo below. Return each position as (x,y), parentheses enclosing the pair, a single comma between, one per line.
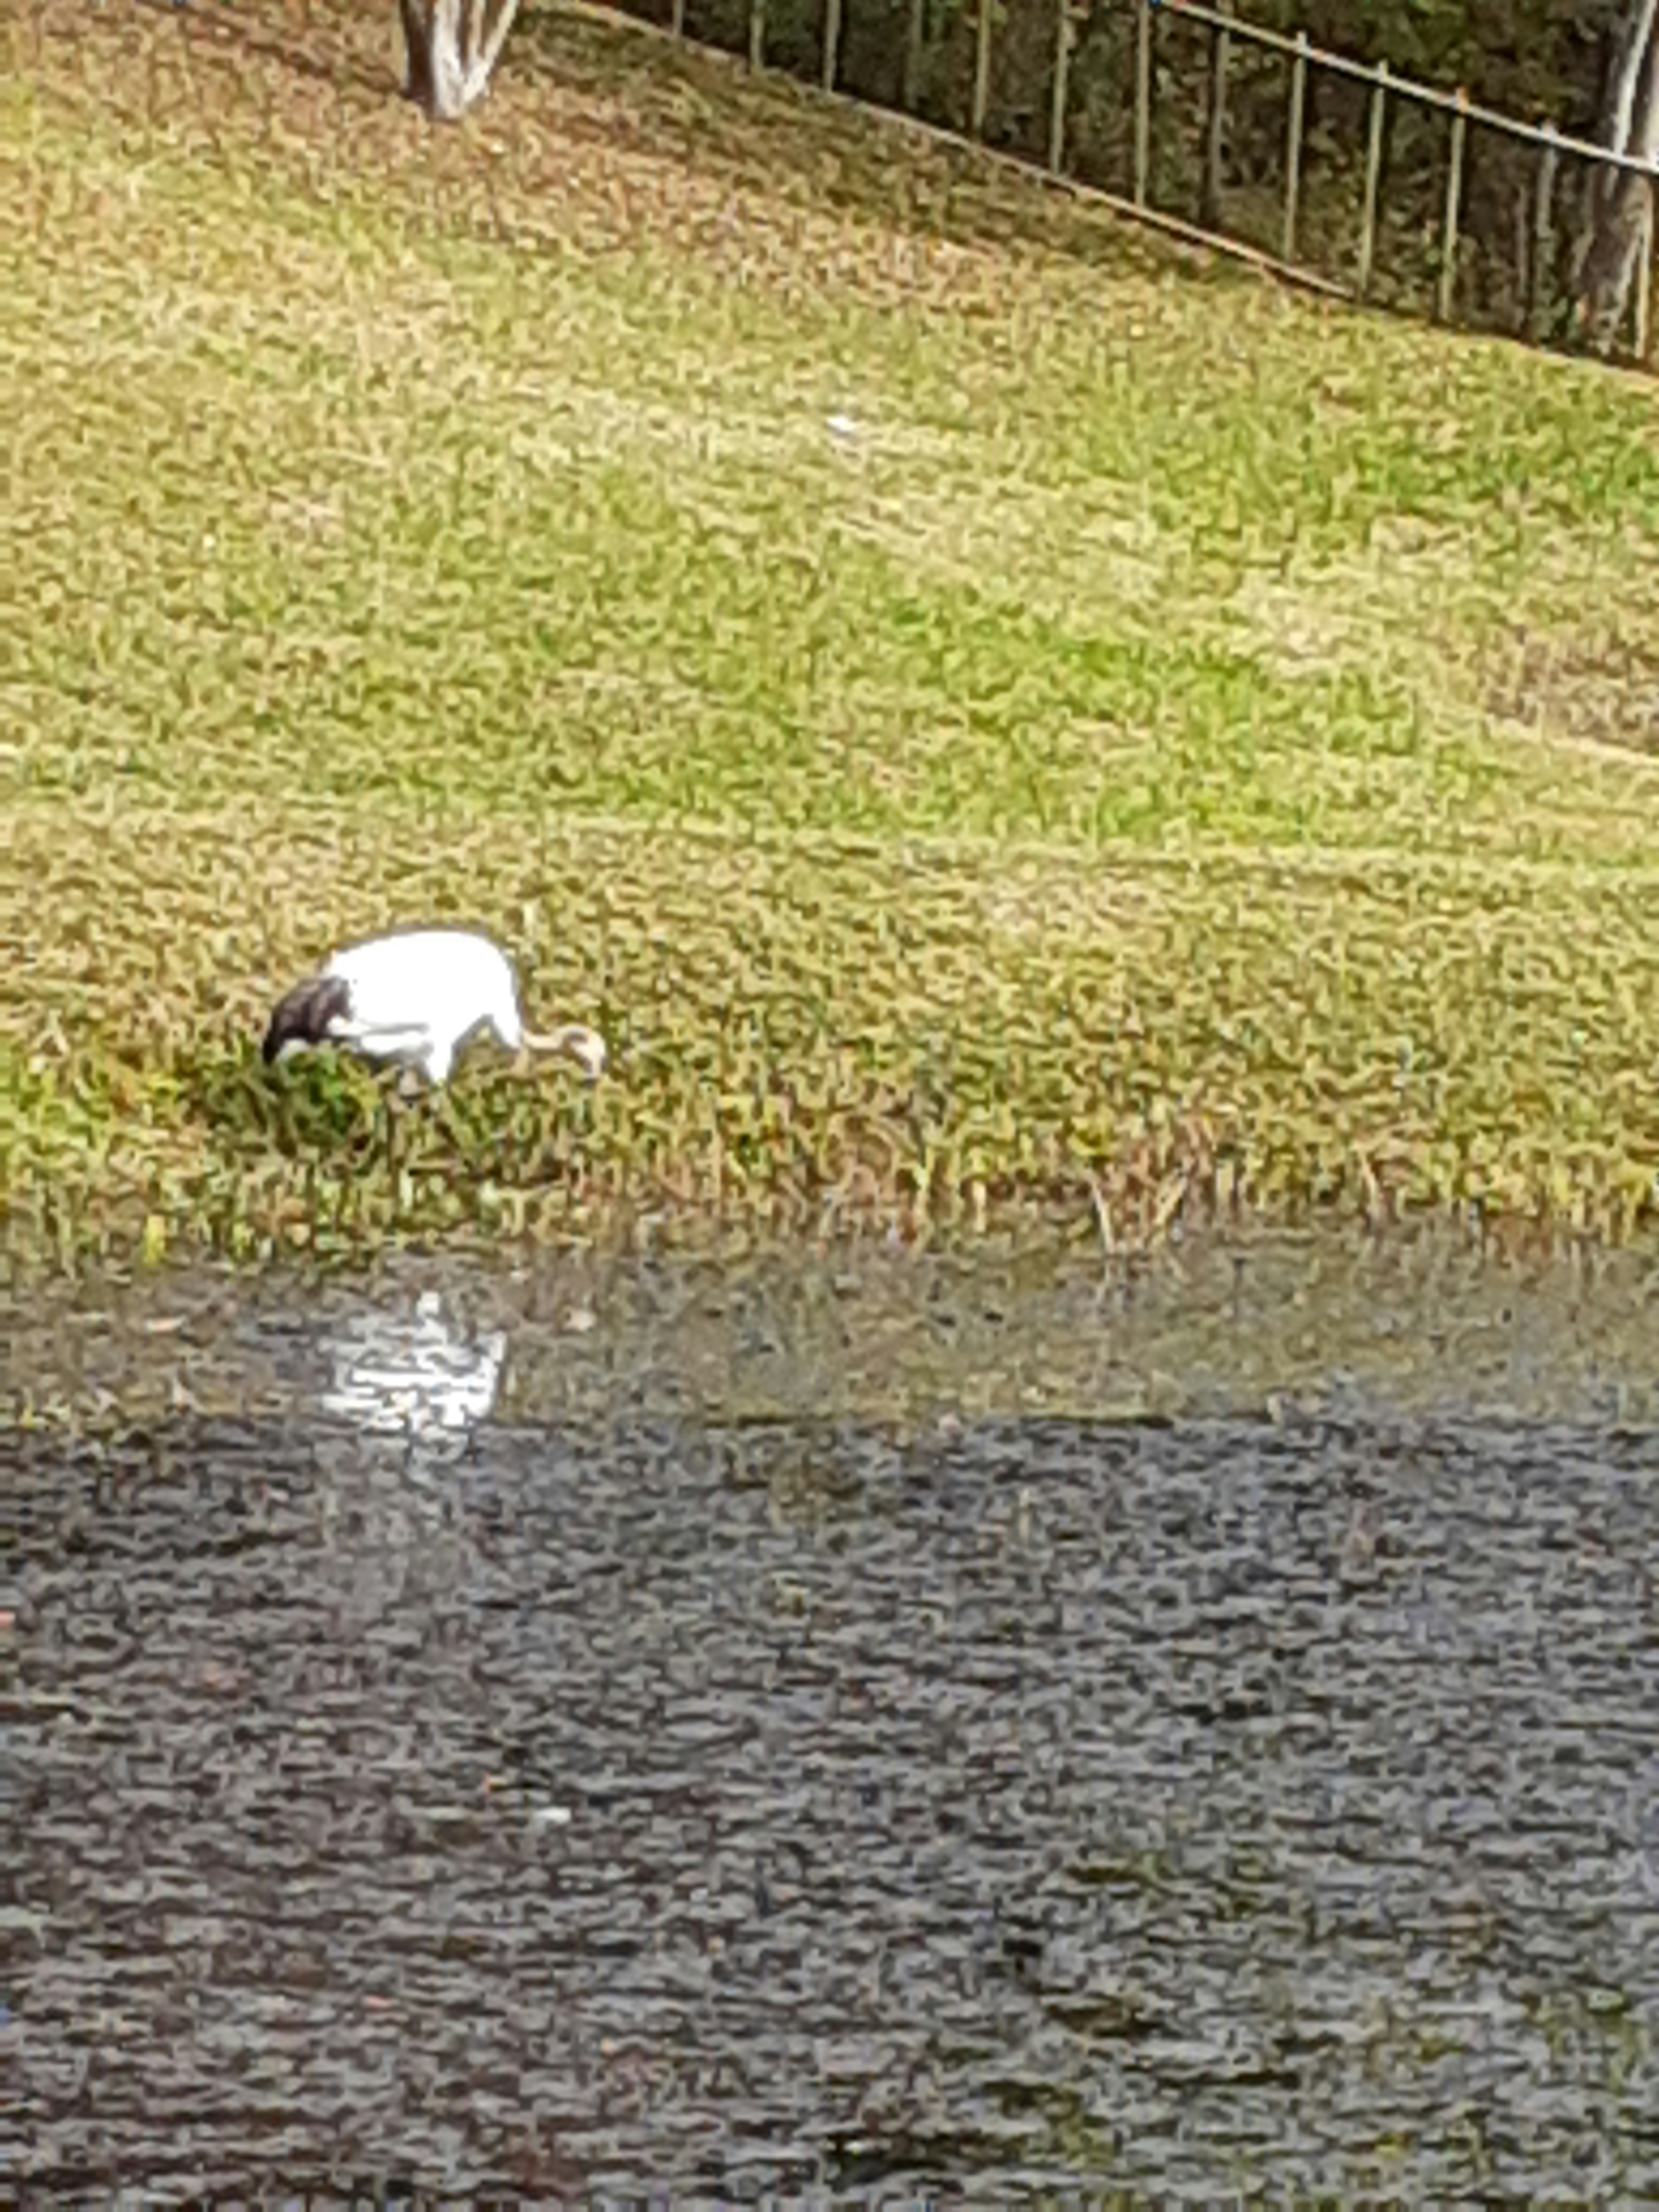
(413,999)
(417,1377)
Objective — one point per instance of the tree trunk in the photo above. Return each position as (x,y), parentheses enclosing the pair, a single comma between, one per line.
(452,48)
(1618,203)
(417,60)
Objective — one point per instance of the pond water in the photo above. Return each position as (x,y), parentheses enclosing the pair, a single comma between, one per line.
(866,1730)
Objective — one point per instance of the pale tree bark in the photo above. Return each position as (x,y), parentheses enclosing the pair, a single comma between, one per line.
(451,47)
(1615,238)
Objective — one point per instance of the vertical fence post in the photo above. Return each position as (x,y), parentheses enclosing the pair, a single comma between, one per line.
(1063,35)
(1541,261)
(910,86)
(1143,99)
(982,69)
(757,34)
(1209,212)
(1373,173)
(831,41)
(676,21)
(1644,284)
(1454,209)
(1293,146)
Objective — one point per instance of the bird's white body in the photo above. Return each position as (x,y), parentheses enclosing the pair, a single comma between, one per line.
(414,998)
(418,997)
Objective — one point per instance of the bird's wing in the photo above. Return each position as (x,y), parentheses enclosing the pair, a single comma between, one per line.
(441,982)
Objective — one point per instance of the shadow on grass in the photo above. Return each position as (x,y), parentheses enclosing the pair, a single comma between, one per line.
(326,1111)
(702,107)
(609,84)
(320,1106)
(329,59)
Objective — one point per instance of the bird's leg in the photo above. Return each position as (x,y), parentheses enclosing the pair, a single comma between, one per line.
(393,1149)
(451,1128)
(395,1099)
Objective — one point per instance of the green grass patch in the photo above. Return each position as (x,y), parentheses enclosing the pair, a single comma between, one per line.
(1184,743)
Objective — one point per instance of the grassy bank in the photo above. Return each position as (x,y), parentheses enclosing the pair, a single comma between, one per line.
(1182,743)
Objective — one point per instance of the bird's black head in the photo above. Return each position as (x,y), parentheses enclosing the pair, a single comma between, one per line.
(303,1016)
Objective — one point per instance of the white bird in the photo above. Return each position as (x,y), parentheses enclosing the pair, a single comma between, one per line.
(414,998)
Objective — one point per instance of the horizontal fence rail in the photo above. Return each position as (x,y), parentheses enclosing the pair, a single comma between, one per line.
(1224,28)
(1425,95)
(978,36)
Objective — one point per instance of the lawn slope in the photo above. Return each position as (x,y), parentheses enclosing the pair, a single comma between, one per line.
(986,708)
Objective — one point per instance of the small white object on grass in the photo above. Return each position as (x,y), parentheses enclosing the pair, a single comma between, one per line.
(843,426)
(414,999)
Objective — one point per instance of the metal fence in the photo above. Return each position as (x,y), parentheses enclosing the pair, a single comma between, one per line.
(1185,114)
